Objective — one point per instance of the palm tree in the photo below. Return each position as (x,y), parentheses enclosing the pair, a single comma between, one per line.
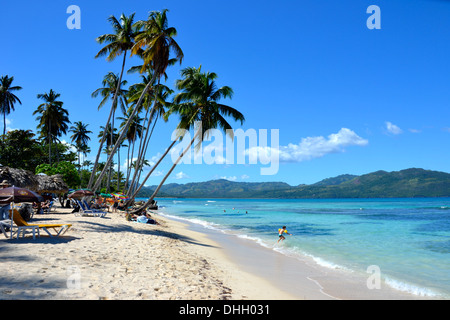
(157,39)
(7,97)
(198,101)
(53,118)
(87,164)
(118,160)
(161,94)
(80,134)
(111,137)
(80,138)
(118,43)
(85,150)
(134,132)
(111,88)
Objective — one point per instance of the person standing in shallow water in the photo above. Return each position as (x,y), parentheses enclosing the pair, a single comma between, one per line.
(281,231)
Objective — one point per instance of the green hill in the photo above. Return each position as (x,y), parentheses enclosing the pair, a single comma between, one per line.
(380,184)
(217,189)
(336,180)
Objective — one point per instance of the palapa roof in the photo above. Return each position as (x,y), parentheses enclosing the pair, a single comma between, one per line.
(52,184)
(19,178)
(37,183)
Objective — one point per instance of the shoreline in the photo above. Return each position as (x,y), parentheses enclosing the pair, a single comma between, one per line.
(114,259)
(244,284)
(302,277)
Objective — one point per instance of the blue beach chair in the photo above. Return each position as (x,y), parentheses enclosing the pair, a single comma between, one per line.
(85,211)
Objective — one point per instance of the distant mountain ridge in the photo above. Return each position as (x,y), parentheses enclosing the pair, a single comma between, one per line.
(408,183)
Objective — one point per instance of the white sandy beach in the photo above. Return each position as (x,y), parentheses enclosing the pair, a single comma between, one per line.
(111,258)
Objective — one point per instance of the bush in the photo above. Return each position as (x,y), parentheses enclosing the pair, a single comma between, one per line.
(66,169)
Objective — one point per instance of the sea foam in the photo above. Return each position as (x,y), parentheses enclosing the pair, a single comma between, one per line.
(410,288)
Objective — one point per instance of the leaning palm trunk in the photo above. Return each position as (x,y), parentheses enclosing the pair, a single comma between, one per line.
(145,150)
(131,184)
(124,132)
(94,169)
(118,171)
(108,180)
(153,169)
(127,184)
(150,200)
(91,179)
(140,156)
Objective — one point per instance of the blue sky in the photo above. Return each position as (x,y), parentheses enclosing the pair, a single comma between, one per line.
(345,99)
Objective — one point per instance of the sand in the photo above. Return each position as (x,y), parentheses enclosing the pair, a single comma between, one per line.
(110,258)
(113,259)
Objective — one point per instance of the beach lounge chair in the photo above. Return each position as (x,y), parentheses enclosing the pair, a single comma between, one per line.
(59,229)
(4,224)
(84,211)
(88,207)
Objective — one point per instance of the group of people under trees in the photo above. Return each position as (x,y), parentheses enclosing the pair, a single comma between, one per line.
(99,203)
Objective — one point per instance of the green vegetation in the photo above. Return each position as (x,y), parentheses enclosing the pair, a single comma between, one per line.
(380,184)
(66,169)
(198,101)
(19,149)
(22,150)
(141,105)
(199,98)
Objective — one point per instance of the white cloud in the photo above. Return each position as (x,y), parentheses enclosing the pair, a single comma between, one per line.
(157,173)
(244,177)
(147,167)
(392,128)
(8,125)
(126,163)
(71,146)
(231,178)
(181,175)
(310,147)
(154,159)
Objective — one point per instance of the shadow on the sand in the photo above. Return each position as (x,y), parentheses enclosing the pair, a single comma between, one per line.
(29,287)
(98,227)
(93,226)
(44,238)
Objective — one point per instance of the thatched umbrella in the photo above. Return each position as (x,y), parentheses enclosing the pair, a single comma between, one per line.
(19,178)
(52,184)
(37,183)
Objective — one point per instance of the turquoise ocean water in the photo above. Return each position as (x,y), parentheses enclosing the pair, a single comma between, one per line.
(408,239)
